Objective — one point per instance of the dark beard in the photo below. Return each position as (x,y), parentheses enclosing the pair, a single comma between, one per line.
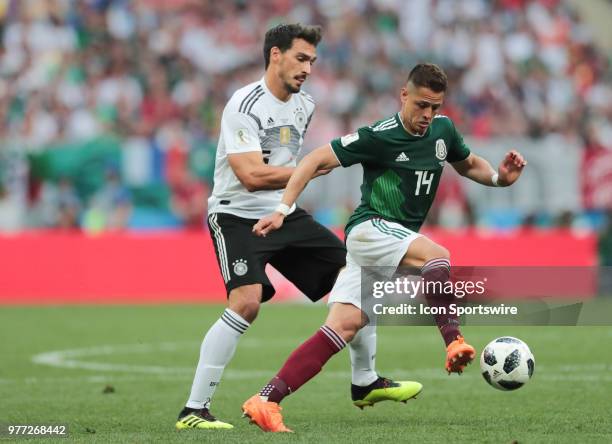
(292,89)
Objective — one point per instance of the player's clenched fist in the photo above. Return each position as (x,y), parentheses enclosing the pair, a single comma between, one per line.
(269,223)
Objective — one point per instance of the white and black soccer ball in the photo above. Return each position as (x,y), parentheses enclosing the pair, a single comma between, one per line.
(507,363)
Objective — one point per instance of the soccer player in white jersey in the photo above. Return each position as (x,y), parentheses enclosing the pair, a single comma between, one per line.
(262,129)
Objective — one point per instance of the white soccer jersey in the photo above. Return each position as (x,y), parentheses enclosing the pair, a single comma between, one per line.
(255,120)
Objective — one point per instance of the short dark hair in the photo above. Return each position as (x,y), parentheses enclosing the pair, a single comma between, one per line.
(428,75)
(282,37)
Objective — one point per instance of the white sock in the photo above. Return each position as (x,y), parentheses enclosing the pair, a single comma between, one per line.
(363,356)
(217,350)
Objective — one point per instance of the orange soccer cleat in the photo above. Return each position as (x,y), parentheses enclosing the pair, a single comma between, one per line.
(458,355)
(265,414)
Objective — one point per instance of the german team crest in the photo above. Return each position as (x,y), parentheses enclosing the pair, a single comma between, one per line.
(441,149)
(240,267)
(300,119)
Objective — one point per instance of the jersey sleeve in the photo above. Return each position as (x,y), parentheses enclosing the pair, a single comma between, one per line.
(458,149)
(240,133)
(308,120)
(358,147)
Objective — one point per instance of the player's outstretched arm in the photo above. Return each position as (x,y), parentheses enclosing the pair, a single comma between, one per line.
(480,170)
(255,174)
(320,159)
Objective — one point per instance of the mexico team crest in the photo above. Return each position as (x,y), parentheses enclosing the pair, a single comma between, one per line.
(441,149)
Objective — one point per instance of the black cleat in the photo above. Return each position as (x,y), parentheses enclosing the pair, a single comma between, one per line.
(199,419)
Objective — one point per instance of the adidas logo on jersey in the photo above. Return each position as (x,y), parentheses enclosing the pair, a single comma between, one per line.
(402,157)
(270,121)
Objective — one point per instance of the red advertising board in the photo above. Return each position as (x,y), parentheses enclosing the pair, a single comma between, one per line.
(50,267)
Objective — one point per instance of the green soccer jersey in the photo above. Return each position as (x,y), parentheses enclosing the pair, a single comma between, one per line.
(401,171)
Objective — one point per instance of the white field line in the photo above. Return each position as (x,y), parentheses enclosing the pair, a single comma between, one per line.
(72,359)
(261,374)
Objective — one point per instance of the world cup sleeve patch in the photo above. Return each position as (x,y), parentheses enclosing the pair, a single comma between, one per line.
(349,138)
(242,136)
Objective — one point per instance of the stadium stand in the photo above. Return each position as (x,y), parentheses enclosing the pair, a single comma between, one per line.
(136,88)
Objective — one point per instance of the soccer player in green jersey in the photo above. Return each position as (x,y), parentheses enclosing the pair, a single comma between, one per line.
(402,158)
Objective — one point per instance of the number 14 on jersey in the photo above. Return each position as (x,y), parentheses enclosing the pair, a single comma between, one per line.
(423,178)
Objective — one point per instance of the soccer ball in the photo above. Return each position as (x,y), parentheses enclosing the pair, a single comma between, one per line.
(507,363)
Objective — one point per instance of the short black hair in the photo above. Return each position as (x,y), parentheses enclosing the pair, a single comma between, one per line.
(430,76)
(282,37)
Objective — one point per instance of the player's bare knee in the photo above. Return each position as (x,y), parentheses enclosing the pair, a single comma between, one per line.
(350,331)
(346,328)
(422,250)
(247,308)
(245,301)
(437,252)
(346,320)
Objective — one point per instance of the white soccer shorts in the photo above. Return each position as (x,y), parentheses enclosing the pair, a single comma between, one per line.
(374,242)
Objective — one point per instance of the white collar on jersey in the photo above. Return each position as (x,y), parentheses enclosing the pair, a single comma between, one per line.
(267,90)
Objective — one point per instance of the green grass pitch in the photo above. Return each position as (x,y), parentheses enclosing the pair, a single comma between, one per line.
(57,361)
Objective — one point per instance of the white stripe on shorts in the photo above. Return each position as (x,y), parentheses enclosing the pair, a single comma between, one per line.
(220,241)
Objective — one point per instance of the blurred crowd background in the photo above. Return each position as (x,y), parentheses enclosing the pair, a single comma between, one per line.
(110,109)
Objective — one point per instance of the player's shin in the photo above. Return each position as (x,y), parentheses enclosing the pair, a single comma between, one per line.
(304,363)
(216,352)
(435,273)
(363,356)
